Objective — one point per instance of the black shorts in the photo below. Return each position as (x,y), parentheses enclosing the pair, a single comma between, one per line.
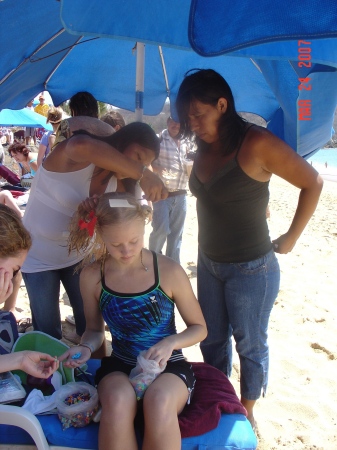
(181,368)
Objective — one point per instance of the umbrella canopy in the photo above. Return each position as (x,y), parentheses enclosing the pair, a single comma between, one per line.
(23,118)
(69,52)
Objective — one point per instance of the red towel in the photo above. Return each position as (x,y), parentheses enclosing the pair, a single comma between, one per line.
(8,175)
(213,395)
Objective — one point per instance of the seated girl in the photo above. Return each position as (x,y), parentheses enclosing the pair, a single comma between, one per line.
(135,292)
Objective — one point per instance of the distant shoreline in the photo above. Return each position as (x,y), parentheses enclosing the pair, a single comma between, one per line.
(327,173)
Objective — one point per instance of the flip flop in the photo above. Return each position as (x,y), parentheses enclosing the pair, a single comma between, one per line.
(70,319)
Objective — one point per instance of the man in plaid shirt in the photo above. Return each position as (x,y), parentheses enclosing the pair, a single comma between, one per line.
(169,214)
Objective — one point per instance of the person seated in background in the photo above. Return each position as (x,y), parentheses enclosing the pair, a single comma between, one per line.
(115,119)
(15,242)
(26,159)
(48,139)
(6,198)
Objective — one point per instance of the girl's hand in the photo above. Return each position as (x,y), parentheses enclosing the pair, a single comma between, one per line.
(75,356)
(284,244)
(37,364)
(160,352)
(6,285)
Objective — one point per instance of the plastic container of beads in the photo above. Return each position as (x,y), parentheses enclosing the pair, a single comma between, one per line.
(77,404)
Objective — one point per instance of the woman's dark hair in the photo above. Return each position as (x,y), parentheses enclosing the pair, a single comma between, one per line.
(136,132)
(207,86)
(133,133)
(83,104)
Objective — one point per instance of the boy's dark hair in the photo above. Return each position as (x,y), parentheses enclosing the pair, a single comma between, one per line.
(83,104)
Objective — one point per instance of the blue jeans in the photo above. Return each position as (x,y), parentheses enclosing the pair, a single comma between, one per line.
(43,290)
(168,224)
(236,300)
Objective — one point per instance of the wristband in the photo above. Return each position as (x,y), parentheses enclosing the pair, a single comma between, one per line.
(87,345)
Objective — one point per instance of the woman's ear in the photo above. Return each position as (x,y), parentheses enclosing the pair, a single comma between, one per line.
(222,105)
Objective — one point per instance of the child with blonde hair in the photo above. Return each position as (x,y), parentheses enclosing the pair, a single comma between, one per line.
(135,292)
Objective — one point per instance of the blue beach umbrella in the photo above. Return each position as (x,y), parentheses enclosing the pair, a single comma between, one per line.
(23,118)
(90,45)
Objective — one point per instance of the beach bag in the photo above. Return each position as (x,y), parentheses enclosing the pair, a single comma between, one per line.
(42,342)
(8,332)
(145,372)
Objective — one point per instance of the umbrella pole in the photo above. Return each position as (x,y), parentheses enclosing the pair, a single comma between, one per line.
(140,65)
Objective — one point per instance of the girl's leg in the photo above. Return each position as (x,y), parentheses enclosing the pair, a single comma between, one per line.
(164,399)
(119,407)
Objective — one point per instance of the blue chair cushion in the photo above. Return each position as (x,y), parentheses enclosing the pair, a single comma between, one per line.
(233,431)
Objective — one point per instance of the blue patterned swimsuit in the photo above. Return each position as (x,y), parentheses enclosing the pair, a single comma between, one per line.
(138,321)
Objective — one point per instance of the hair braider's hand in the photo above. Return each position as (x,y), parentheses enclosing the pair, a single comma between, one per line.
(153,186)
(89,204)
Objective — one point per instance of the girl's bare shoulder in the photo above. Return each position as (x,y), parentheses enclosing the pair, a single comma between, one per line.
(92,271)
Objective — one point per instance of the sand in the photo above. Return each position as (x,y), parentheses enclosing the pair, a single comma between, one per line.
(299,411)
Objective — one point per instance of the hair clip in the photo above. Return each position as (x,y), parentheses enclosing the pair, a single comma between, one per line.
(120,203)
(90,224)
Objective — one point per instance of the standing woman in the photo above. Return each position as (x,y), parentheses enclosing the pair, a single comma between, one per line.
(54,117)
(77,168)
(238,273)
(26,159)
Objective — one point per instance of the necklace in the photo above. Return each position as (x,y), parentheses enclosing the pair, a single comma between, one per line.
(141,260)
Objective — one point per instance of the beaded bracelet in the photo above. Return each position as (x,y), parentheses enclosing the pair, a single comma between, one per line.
(87,345)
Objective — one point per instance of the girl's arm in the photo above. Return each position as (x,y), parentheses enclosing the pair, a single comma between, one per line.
(40,365)
(51,140)
(176,284)
(90,284)
(32,164)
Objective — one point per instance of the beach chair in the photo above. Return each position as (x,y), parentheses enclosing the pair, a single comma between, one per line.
(231,431)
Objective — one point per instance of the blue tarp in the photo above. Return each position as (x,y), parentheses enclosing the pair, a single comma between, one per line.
(23,118)
(73,45)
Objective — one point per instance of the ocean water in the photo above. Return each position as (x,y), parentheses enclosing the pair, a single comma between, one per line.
(325,162)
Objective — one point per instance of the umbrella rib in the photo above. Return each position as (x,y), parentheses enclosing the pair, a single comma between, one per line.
(29,58)
(164,69)
(60,62)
